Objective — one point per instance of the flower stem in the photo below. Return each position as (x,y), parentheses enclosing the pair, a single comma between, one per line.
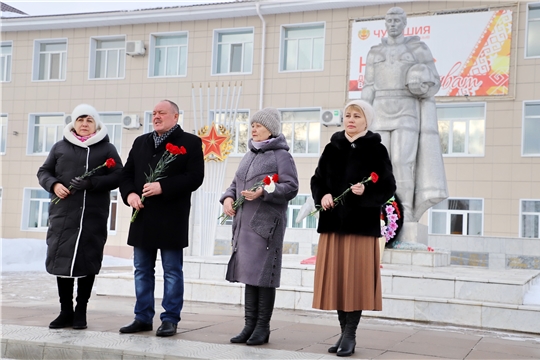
(136,212)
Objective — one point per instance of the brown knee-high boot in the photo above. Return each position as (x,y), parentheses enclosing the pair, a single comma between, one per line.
(261,334)
(84,290)
(342,317)
(65,293)
(348,342)
(251,306)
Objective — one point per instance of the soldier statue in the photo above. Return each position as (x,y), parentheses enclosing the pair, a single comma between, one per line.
(400,82)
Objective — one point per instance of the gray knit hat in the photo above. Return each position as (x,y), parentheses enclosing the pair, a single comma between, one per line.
(270,118)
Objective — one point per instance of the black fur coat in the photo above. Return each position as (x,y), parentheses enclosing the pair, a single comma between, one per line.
(343,164)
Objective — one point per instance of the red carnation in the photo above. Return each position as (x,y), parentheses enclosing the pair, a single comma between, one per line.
(275,178)
(182,150)
(374,177)
(395,205)
(173,149)
(110,163)
(267,180)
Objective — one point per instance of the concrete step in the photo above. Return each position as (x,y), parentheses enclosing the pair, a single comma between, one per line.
(454,295)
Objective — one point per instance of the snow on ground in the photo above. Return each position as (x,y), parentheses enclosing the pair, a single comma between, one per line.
(29,255)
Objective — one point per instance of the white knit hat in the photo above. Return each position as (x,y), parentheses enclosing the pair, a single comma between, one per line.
(369,113)
(84,109)
(270,118)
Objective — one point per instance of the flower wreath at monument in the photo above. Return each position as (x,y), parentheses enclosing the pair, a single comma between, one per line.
(391,220)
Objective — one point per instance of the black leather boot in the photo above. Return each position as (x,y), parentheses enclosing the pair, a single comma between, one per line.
(65,293)
(261,334)
(84,290)
(342,317)
(348,342)
(251,305)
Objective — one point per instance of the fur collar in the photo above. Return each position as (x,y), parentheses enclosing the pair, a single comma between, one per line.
(100,135)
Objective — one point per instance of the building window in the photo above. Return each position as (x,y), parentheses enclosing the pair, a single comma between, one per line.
(43,131)
(233,51)
(5,61)
(147,125)
(242,131)
(302,47)
(302,129)
(113,211)
(457,217)
(530,219)
(462,129)
(309,222)
(35,209)
(3,133)
(113,122)
(532,47)
(108,57)
(531,129)
(168,54)
(50,59)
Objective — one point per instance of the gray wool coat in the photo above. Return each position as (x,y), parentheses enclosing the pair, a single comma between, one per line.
(259,225)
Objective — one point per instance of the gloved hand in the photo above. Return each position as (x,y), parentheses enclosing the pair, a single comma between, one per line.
(80,184)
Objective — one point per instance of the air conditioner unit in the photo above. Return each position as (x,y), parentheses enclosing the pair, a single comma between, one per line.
(331,117)
(131,122)
(67,119)
(134,48)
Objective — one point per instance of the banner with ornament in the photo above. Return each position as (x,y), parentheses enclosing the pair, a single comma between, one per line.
(214,117)
(471,50)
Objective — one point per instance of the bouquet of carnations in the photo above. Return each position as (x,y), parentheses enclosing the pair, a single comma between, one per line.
(156,174)
(109,163)
(337,200)
(268,183)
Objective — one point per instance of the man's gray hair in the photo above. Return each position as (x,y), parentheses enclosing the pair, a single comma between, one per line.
(174,106)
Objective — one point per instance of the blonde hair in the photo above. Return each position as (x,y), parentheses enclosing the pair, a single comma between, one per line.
(356,108)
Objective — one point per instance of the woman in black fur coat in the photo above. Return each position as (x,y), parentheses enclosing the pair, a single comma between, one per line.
(347,274)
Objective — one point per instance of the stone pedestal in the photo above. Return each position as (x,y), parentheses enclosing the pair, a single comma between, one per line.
(414,232)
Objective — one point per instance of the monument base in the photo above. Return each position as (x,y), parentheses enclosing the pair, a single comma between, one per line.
(413,232)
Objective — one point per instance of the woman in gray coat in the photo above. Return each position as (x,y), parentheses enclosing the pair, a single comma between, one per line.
(259,223)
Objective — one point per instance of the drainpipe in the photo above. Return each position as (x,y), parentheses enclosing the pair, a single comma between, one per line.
(263,44)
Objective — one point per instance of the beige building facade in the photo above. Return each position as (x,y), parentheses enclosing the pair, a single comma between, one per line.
(295,56)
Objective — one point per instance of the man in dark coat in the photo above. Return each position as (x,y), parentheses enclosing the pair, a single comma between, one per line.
(163,215)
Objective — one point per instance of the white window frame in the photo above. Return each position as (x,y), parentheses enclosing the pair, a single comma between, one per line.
(525,48)
(113,128)
(215,46)
(234,151)
(3,134)
(291,143)
(5,76)
(521,214)
(282,60)
(152,53)
(147,122)
(37,59)
(450,212)
(43,202)
(524,130)
(32,127)
(121,73)
(467,134)
(112,222)
(291,218)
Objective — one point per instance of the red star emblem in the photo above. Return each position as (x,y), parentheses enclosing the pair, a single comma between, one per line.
(212,143)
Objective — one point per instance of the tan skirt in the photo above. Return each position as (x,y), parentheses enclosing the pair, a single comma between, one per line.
(347,273)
